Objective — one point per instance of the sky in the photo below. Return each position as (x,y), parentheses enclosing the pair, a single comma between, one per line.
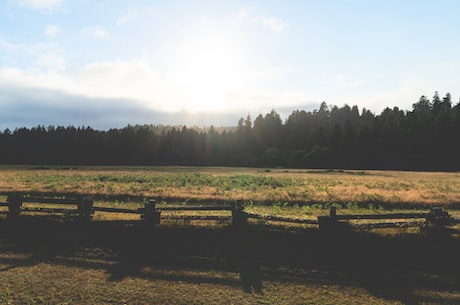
(107,64)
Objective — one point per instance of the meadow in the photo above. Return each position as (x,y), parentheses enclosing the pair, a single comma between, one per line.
(111,261)
(264,186)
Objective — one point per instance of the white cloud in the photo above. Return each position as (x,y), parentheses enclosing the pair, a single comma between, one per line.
(40,4)
(139,81)
(274,24)
(114,92)
(128,79)
(95,32)
(52,30)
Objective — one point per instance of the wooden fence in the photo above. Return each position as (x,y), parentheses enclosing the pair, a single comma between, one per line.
(436,218)
(83,206)
(151,213)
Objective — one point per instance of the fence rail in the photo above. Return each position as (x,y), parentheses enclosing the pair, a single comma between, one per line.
(118,210)
(282,219)
(195,208)
(49,210)
(388,225)
(197,217)
(48,200)
(382,216)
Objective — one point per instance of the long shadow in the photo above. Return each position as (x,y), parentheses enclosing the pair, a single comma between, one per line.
(393,268)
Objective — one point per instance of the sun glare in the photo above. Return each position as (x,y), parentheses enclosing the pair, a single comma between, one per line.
(208,66)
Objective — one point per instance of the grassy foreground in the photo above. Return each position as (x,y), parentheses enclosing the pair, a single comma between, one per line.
(44,260)
(47,262)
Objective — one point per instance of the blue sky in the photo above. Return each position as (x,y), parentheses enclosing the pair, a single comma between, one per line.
(112,63)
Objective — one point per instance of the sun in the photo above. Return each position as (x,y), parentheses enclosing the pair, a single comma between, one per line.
(208,66)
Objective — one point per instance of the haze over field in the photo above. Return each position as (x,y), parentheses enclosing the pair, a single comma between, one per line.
(112,63)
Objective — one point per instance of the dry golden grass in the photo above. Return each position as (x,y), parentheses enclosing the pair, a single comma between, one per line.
(59,284)
(228,184)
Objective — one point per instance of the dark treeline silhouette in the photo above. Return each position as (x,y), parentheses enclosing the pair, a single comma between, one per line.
(424,138)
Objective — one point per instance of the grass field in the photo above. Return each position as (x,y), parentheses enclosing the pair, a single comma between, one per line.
(386,188)
(112,261)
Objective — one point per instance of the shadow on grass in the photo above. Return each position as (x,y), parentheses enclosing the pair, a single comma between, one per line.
(393,268)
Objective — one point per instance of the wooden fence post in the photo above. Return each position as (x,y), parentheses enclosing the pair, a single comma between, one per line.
(239,217)
(331,224)
(151,215)
(14,206)
(328,223)
(85,208)
(333,213)
(437,219)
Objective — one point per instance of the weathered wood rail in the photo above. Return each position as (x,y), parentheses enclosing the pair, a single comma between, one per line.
(282,219)
(151,213)
(437,218)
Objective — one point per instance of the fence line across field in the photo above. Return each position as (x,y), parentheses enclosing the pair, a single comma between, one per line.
(151,213)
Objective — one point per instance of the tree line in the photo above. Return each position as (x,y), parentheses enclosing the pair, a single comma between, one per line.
(423,138)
